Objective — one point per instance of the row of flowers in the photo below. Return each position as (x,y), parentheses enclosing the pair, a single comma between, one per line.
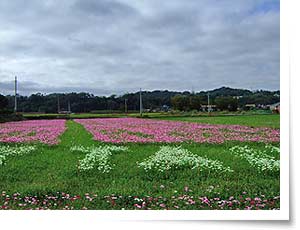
(262,160)
(169,158)
(124,130)
(191,202)
(179,201)
(6,150)
(172,158)
(97,157)
(44,131)
(58,200)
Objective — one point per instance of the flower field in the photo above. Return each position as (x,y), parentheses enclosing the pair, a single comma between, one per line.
(44,131)
(125,130)
(139,164)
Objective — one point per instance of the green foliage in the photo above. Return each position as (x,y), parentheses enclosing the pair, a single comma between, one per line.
(196,101)
(187,102)
(180,102)
(226,103)
(9,116)
(3,102)
(51,169)
(154,100)
(271,120)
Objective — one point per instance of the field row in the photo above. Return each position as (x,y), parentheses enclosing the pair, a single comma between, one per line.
(44,131)
(127,130)
(166,159)
(183,200)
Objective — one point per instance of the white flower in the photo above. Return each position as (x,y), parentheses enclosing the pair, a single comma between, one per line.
(97,157)
(6,151)
(259,159)
(168,158)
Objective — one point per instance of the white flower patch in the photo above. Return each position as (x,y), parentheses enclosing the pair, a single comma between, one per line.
(14,151)
(89,149)
(272,149)
(81,149)
(2,159)
(168,158)
(97,157)
(259,159)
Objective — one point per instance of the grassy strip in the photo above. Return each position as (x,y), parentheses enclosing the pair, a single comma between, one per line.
(272,121)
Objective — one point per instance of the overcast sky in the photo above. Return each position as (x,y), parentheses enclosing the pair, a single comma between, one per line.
(116,46)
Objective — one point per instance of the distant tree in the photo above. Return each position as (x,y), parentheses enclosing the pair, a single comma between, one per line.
(3,102)
(180,102)
(226,91)
(195,102)
(184,101)
(226,103)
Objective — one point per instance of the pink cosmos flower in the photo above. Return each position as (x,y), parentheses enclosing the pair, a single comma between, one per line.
(44,131)
(135,130)
(162,205)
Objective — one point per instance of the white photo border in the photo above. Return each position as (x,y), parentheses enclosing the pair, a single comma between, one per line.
(283,214)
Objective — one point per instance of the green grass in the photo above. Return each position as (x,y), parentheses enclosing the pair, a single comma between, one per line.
(272,121)
(54,168)
(192,114)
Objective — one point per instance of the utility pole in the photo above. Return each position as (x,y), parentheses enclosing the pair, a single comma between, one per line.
(58,105)
(208,104)
(125,106)
(16,89)
(141,103)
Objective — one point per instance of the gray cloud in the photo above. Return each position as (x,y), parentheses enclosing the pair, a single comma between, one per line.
(112,9)
(111,47)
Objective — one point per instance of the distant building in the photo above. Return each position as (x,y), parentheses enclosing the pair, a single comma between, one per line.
(237,97)
(262,106)
(64,112)
(275,108)
(250,106)
(165,108)
(208,108)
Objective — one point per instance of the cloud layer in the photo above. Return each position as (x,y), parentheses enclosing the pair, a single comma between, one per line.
(115,46)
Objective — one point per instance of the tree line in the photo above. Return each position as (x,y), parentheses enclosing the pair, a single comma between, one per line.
(223,98)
